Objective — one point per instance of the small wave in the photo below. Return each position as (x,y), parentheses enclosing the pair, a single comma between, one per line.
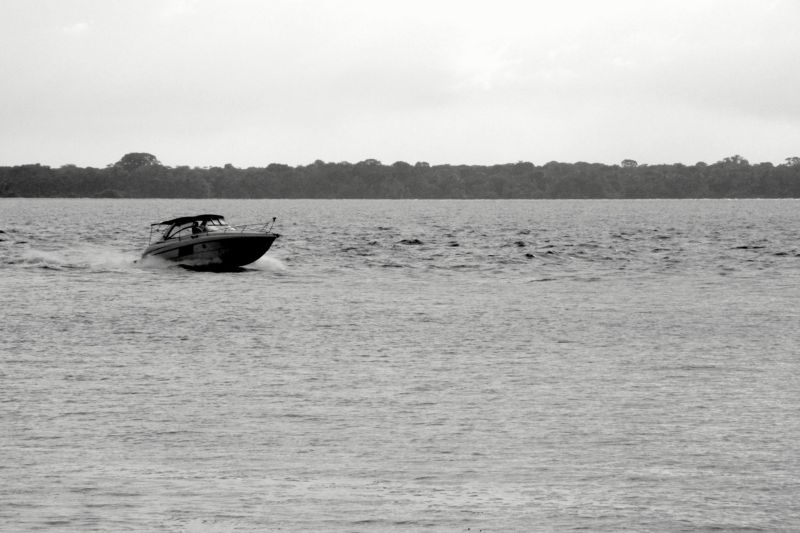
(354,250)
(271,263)
(153,262)
(81,257)
(42,259)
(691,367)
(199,525)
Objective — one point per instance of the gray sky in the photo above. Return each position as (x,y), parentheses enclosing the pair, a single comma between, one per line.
(252,82)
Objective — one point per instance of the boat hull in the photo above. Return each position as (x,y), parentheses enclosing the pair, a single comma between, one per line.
(221,250)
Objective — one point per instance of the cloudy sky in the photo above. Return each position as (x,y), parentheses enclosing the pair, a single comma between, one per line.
(251,82)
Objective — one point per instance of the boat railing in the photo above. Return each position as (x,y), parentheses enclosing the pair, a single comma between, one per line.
(187,233)
(257,227)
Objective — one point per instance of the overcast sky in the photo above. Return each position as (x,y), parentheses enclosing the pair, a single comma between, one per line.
(252,82)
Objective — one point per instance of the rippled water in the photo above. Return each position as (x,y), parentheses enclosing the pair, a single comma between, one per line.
(404,366)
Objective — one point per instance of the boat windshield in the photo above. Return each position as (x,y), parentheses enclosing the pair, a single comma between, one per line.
(188,228)
(218,225)
(177,230)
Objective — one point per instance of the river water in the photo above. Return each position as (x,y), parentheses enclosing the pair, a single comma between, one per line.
(404,366)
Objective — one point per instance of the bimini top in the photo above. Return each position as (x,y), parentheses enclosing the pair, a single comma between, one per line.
(184,220)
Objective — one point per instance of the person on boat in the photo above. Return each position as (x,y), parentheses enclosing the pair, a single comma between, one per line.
(196,228)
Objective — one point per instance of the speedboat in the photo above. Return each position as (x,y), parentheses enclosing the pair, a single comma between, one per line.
(208,241)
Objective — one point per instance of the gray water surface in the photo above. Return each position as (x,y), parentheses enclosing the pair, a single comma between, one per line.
(404,366)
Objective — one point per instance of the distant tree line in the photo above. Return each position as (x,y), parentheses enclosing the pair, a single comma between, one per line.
(141,175)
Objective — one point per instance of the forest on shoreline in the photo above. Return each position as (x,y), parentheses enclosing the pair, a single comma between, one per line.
(141,175)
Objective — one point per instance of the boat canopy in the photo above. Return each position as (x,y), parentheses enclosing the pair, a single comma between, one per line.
(185,220)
